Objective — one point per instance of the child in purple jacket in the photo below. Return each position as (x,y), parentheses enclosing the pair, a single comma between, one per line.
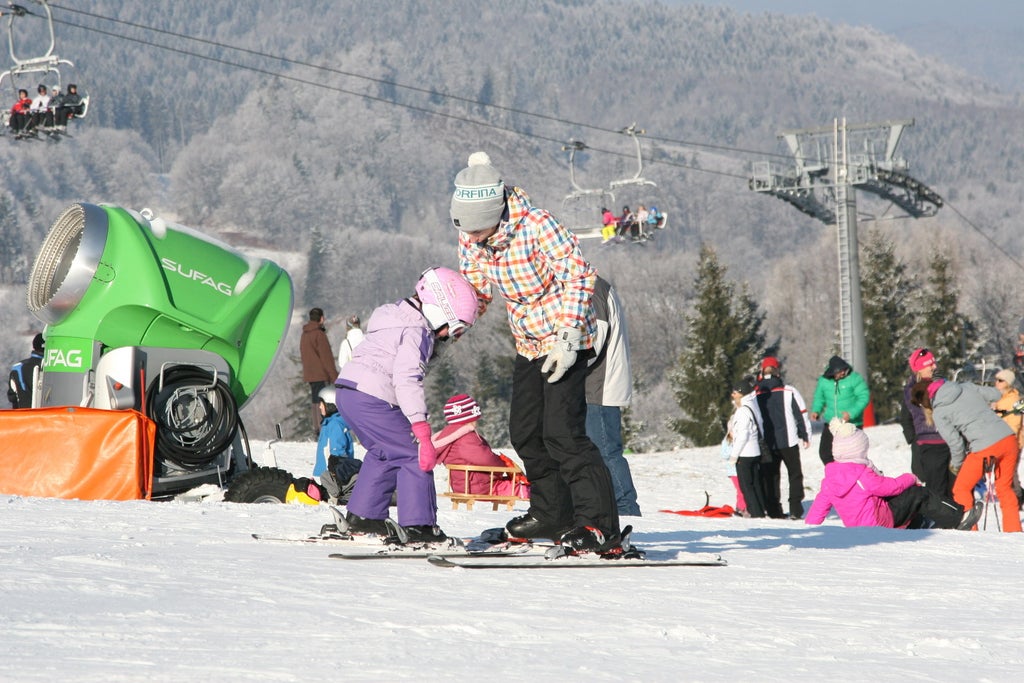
(862,496)
(380,395)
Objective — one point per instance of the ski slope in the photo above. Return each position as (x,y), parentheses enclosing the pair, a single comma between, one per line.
(179,591)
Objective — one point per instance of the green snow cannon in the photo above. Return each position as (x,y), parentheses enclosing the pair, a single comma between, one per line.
(142,313)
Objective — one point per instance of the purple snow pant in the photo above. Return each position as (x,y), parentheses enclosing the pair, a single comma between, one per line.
(391,462)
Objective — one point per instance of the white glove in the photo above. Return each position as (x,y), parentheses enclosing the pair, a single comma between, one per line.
(563,354)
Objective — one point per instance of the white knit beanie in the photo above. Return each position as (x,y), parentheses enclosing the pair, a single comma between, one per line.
(849,444)
(479,198)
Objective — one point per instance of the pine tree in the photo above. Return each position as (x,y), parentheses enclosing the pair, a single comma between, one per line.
(318,269)
(493,381)
(492,389)
(12,251)
(946,331)
(441,383)
(722,343)
(296,426)
(631,431)
(886,290)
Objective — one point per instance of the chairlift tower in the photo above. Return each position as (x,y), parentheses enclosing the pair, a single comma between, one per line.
(823,184)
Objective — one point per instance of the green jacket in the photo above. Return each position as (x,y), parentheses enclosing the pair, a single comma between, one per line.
(849,395)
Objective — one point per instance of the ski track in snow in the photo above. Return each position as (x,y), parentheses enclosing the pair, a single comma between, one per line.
(179,591)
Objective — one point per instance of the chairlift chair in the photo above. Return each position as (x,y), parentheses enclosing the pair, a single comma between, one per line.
(29,72)
(636,189)
(581,208)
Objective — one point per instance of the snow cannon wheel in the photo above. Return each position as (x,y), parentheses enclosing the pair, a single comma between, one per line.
(260,485)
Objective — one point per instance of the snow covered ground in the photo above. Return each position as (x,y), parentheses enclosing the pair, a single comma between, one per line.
(174,591)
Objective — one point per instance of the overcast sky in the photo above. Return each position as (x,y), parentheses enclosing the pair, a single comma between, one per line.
(890,15)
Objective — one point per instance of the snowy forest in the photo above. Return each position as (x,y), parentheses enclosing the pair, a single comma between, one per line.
(326,137)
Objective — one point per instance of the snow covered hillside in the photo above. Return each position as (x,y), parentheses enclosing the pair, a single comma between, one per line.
(103,591)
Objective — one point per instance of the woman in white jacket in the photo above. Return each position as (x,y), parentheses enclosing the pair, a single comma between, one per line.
(744,429)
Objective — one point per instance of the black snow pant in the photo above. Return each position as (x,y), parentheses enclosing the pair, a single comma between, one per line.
(825,446)
(748,471)
(569,483)
(772,475)
(919,508)
(929,462)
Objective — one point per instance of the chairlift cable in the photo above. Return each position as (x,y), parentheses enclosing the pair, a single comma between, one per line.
(383,100)
(382,81)
(454,117)
(989,239)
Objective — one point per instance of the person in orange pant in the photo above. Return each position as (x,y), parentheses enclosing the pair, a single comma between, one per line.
(1006,382)
(962,412)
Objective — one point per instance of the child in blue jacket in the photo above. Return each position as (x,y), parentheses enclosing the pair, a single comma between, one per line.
(335,451)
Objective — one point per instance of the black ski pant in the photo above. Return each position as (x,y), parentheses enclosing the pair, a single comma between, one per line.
(918,505)
(825,446)
(748,471)
(772,475)
(569,483)
(929,462)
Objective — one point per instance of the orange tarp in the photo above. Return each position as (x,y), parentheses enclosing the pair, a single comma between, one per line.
(71,452)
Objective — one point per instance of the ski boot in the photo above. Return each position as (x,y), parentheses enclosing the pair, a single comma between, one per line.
(527,527)
(424,533)
(349,524)
(589,539)
(971,516)
(420,536)
(362,525)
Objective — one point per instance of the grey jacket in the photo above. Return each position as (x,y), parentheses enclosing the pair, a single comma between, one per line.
(963,413)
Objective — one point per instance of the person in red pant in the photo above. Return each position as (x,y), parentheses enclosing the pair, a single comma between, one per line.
(963,413)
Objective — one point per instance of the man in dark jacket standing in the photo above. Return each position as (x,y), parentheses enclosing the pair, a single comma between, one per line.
(786,428)
(21,383)
(318,368)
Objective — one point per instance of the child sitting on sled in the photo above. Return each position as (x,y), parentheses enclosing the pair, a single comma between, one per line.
(460,444)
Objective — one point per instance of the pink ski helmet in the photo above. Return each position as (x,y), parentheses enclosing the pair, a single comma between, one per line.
(447,299)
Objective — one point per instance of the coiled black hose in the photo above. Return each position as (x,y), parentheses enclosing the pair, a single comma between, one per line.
(195,422)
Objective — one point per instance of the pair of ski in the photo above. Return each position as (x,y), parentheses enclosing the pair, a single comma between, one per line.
(490,550)
(558,556)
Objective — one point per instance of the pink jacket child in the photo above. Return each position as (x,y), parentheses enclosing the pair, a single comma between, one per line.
(852,485)
(460,444)
(862,496)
